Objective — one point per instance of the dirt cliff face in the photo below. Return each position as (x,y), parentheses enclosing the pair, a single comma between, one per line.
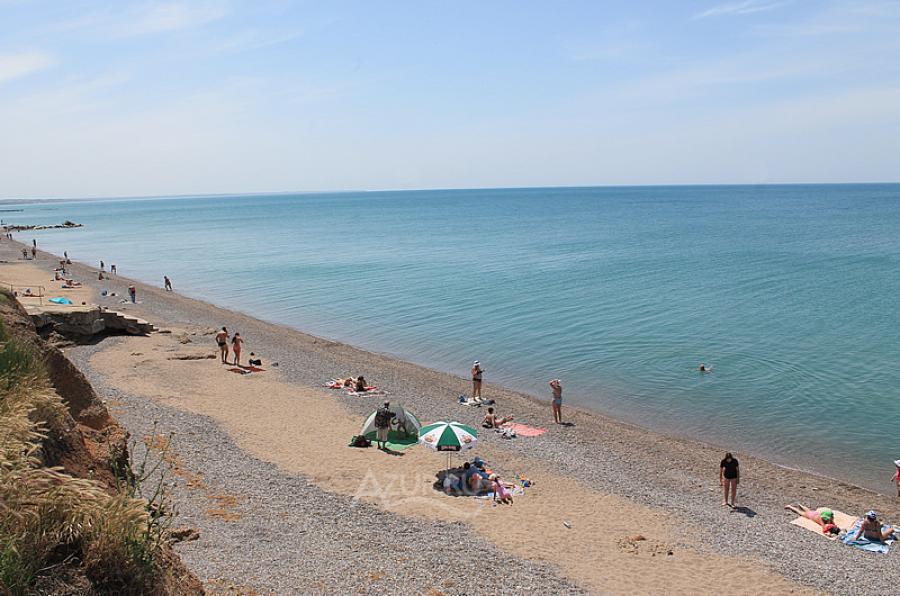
(87,442)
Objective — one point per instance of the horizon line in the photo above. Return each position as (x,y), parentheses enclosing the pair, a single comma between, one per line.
(21,200)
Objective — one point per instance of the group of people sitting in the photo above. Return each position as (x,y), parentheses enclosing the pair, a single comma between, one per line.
(352,383)
(870,528)
(477,479)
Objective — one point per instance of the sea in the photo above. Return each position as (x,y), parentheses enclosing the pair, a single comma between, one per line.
(789,293)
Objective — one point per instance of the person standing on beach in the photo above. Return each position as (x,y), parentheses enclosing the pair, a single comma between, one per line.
(167,282)
(33,243)
(236,342)
(112,269)
(25,253)
(729,477)
(383,417)
(222,342)
(896,477)
(477,373)
(33,253)
(556,387)
(102,265)
(132,292)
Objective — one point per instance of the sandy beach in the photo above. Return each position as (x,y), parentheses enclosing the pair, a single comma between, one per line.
(262,468)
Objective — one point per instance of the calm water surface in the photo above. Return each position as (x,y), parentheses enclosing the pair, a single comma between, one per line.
(790,292)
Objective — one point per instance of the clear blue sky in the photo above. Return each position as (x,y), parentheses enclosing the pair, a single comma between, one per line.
(142,98)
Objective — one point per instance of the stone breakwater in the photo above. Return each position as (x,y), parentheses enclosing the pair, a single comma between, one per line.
(24,228)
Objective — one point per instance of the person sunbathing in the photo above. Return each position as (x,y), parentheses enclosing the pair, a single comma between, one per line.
(492,421)
(360,384)
(823,518)
(871,529)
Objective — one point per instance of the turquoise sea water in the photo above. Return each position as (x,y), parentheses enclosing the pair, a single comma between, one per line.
(790,292)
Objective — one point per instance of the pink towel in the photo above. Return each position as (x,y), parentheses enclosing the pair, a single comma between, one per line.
(523,430)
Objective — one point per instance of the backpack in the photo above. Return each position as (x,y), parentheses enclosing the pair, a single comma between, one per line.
(360,441)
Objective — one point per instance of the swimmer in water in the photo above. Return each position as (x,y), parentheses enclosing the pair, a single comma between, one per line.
(703,368)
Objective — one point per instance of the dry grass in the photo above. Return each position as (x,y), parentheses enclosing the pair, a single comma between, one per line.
(47,516)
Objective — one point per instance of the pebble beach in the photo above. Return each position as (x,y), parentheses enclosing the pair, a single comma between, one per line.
(615,508)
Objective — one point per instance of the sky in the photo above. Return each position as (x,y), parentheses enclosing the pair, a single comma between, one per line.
(152,98)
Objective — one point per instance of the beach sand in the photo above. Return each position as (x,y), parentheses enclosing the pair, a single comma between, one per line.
(615,508)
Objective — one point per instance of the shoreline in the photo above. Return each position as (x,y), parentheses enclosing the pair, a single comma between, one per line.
(583,410)
(672,474)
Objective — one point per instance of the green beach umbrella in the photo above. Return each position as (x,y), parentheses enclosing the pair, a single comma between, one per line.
(448,436)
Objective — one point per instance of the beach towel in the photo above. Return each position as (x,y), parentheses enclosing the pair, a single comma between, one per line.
(843,521)
(60,301)
(371,390)
(397,441)
(523,430)
(247,370)
(864,543)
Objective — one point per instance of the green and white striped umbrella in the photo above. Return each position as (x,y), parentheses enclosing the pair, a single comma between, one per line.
(448,436)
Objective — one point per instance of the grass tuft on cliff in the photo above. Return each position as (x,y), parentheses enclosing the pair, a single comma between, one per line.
(49,518)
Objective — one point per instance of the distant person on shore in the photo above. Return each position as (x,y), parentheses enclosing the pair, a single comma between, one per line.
(236,343)
(222,342)
(100,277)
(66,255)
(132,293)
(871,529)
(825,518)
(102,266)
(25,253)
(33,253)
(491,420)
(34,243)
(113,270)
(477,373)
(896,477)
(556,387)
(729,478)
(383,417)
(167,283)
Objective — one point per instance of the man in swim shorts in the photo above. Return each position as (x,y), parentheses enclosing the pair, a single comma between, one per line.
(222,342)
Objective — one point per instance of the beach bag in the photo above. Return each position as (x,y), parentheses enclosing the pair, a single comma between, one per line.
(360,441)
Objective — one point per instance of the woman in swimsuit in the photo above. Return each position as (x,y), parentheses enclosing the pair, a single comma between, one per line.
(477,371)
(236,342)
(871,529)
(556,386)
(825,518)
(222,341)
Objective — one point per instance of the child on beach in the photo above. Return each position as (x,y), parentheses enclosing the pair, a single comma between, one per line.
(501,493)
(896,477)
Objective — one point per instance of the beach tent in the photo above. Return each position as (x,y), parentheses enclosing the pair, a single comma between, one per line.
(404,420)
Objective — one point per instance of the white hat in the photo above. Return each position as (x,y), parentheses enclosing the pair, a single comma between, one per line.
(476,362)
(897,462)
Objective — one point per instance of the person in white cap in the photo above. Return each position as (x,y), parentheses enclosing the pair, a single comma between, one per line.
(477,373)
(896,477)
